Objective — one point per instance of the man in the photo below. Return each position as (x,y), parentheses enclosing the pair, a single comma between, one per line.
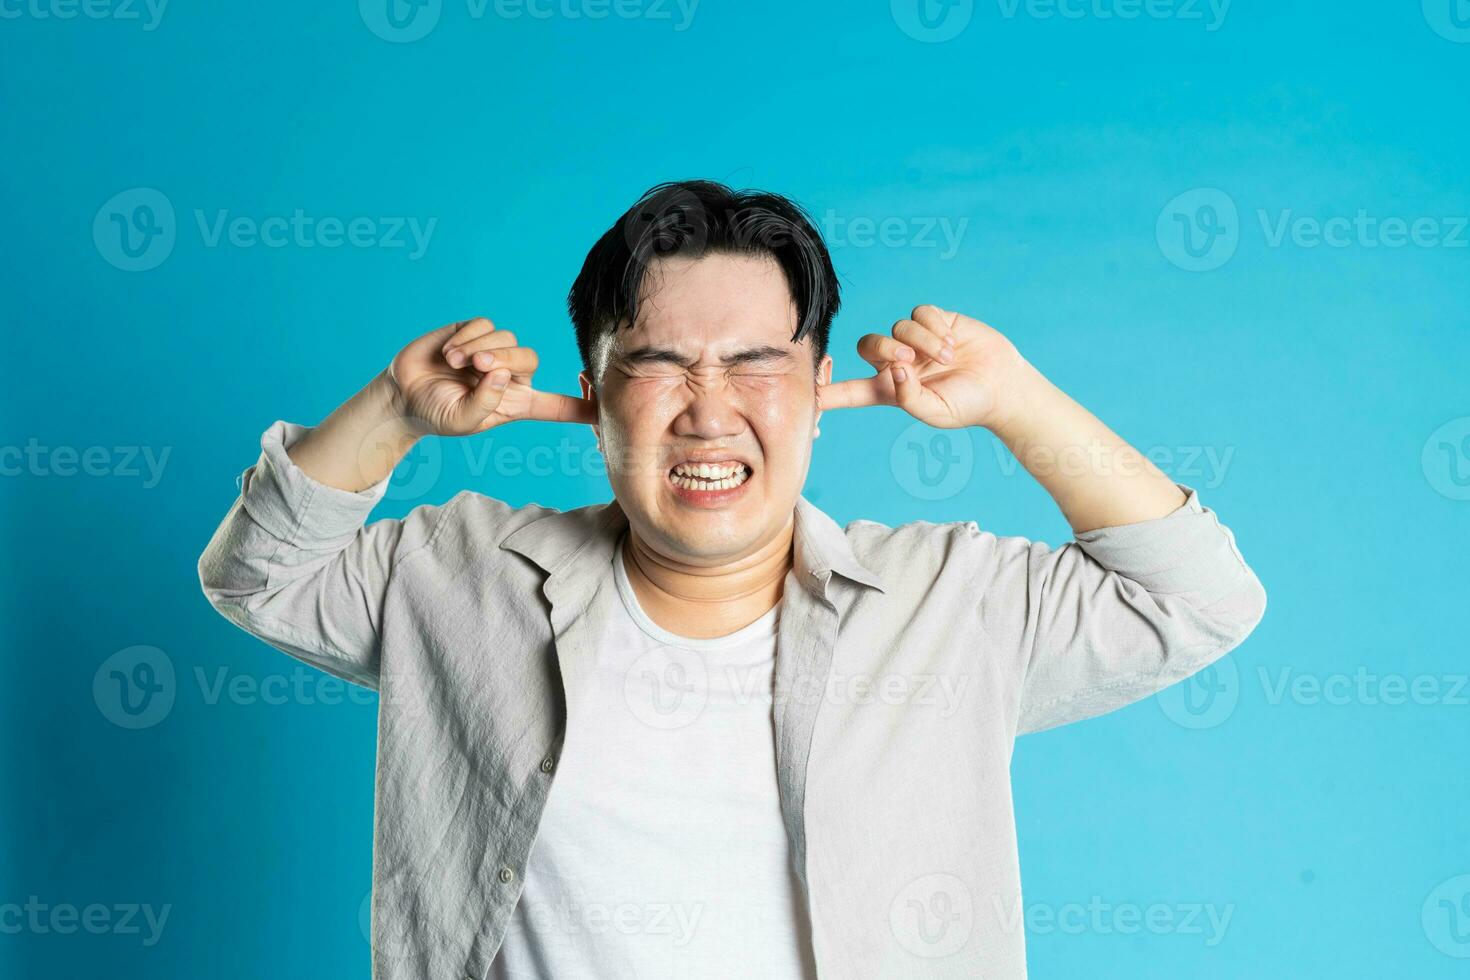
(701,730)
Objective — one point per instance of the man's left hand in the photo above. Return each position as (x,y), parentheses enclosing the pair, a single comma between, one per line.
(944,368)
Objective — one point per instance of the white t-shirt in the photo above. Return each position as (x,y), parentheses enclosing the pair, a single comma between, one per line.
(662,853)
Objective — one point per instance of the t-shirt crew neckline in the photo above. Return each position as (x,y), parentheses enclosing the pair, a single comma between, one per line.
(762,628)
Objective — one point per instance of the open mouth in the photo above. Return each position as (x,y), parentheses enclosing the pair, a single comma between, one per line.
(709,476)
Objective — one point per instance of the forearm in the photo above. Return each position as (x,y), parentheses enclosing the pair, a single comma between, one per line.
(362,441)
(1096,478)
(294,563)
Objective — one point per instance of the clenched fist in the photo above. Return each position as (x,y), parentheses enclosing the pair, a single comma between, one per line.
(470,376)
(944,368)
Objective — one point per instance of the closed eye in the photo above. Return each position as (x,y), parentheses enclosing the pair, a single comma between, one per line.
(763,361)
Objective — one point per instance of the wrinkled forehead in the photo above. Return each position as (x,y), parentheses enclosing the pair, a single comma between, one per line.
(710,308)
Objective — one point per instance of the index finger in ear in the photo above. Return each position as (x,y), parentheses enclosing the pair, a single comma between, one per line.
(856,393)
(548,406)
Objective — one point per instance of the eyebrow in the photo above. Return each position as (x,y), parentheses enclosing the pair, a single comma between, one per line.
(765,353)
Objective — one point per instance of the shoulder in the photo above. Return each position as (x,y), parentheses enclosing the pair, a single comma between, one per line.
(492,512)
(473,523)
(935,546)
(492,520)
(926,550)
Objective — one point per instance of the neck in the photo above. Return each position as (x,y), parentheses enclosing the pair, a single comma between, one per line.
(700,601)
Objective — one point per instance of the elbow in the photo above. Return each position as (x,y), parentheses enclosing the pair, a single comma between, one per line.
(1236,615)
(1257,601)
(1215,631)
(213,564)
(1251,603)
(224,577)
(212,581)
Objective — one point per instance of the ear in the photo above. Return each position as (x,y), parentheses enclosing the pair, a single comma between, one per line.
(590,393)
(823,378)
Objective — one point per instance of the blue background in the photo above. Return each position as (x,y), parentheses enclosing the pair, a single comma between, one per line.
(1331,829)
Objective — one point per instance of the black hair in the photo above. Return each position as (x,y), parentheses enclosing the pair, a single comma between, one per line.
(696,218)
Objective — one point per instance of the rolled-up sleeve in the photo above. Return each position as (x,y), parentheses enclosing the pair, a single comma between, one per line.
(293,564)
(1120,613)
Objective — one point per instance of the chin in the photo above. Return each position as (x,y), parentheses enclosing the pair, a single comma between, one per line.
(707,542)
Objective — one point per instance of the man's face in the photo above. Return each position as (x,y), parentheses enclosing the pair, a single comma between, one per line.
(709,375)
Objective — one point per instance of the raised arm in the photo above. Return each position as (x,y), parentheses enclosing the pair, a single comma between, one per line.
(1151,590)
(952,371)
(292,562)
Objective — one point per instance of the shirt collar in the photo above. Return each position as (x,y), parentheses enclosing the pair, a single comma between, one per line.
(821,546)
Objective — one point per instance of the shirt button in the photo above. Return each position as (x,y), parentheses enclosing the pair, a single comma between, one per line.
(547,764)
(507,875)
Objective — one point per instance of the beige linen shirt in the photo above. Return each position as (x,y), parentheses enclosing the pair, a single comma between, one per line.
(908,660)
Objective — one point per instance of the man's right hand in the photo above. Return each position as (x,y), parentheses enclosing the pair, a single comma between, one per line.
(444,383)
(467,377)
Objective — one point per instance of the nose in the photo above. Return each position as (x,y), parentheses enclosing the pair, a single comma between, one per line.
(709,413)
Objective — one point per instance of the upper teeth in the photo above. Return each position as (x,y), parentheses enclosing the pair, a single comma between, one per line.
(709,471)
